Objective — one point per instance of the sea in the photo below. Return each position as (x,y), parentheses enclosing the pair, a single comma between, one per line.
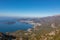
(12,27)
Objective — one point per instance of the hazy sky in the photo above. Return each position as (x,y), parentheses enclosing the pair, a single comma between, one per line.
(29,8)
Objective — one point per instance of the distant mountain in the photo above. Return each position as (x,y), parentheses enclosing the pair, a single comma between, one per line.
(45,21)
(50,21)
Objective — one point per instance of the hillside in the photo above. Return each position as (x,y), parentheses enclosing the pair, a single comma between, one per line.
(48,30)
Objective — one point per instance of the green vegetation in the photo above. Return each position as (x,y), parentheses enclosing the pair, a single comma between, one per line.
(46,33)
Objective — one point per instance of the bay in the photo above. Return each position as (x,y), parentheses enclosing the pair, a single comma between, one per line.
(5,27)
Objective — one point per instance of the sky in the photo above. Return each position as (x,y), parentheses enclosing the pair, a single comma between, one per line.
(29,8)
